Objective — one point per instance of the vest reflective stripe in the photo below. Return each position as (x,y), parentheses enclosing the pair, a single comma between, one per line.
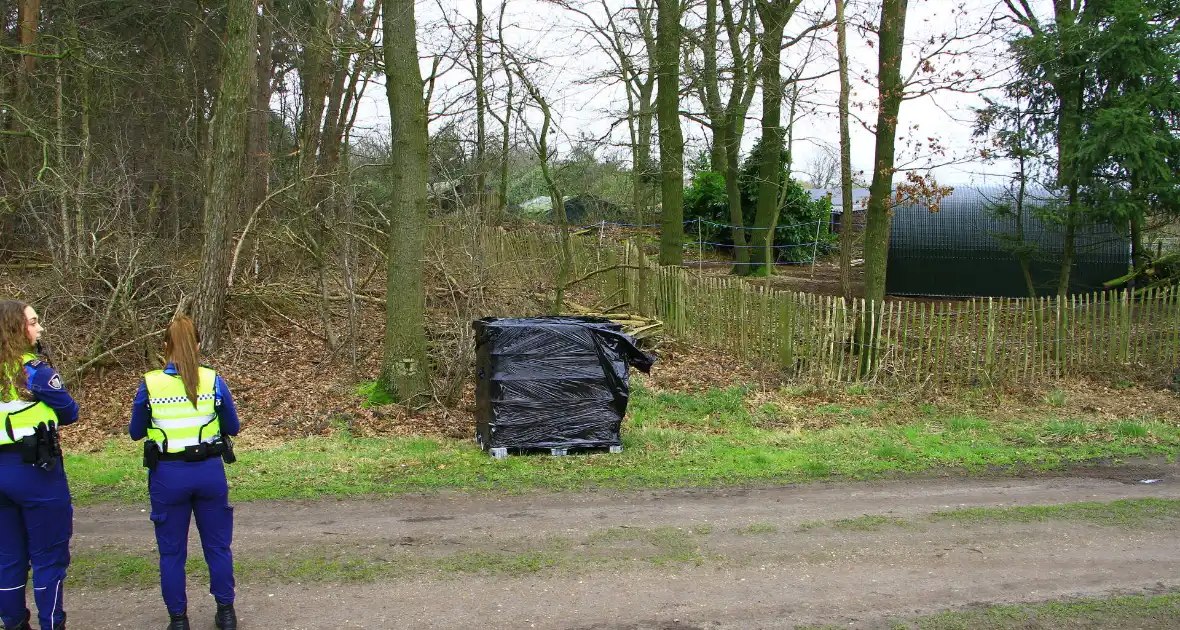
(22,416)
(181,423)
(176,423)
(15,406)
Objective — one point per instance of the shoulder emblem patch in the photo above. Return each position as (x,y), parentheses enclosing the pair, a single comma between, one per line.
(55,382)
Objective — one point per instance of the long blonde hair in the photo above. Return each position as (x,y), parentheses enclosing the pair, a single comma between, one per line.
(181,348)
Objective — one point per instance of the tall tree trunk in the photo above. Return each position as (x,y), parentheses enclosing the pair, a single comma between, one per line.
(505,155)
(64,251)
(224,190)
(1069,83)
(481,136)
(847,220)
(85,153)
(28,17)
(646,119)
(671,139)
(1021,193)
(774,21)
(741,95)
(890,92)
(1069,134)
(1139,254)
(404,367)
(712,89)
(258,137)
(558,201)
(344,80)
(501,208)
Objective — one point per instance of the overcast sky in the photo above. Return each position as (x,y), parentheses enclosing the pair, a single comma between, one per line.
(571,57)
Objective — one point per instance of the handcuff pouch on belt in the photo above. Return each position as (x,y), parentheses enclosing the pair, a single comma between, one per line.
(43,448)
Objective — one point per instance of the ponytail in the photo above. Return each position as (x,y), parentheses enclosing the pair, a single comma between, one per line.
(182,339)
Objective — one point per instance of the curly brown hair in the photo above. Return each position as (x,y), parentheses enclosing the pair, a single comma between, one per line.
(14,344)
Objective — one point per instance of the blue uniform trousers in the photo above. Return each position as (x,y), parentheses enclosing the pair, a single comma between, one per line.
(178,491)
(36,523)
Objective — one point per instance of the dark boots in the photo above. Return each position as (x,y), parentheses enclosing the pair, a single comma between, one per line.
(24,625)
(226,619)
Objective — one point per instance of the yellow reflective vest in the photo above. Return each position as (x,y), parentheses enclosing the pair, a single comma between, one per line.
(21,417)
(176,422)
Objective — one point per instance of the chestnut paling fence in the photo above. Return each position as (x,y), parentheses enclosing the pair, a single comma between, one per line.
(825,338)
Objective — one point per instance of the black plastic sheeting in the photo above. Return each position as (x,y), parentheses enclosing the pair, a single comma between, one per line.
(552,382)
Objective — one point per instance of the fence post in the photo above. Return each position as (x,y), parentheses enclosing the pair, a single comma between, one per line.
(787,341)
(989,356)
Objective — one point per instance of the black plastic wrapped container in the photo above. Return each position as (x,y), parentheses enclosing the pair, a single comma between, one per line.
(552,382)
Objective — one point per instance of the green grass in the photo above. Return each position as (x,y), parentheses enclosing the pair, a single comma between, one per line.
(1139,612)
(374,394)
(1131,429)
(1056,398)
(758,528)
(1126,513)
(959,424)
(867,523)
(670,440)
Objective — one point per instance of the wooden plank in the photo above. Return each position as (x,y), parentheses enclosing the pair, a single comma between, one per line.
(829,348)
(1027,339)
(869,369)
(989,352)
(1000,356)
(1100,343)
(889,353)
(1172,338)
(923,344)
(860,319)
(825,329)
(1163,323)
(1071,338)
(814,341)
(1059,334)
(972,342)
(1142,336)
(1125,328)
(1113,328)
(1174,327)
(1087,336)
(841,329)
(905,322)
(936,322)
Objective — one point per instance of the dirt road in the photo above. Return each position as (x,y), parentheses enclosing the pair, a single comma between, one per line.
(756,558)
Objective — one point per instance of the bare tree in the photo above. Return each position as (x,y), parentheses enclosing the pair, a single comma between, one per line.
(774,16)
(227,162)
(540,143)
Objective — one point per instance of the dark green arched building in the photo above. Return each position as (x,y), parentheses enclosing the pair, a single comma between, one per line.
(970,247)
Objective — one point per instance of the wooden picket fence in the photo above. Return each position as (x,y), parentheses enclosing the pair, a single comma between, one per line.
(819,338)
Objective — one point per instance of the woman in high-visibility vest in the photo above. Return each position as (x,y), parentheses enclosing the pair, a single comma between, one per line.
(185,411)
(36,512)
